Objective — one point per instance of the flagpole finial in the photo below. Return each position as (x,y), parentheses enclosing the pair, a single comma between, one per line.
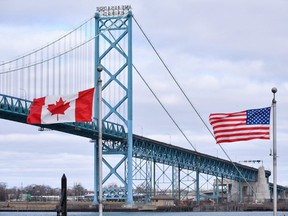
(274,90)
(99,68)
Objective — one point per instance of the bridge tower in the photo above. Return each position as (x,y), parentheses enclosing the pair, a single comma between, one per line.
(113,40)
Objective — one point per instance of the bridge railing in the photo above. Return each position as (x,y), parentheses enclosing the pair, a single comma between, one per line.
(114,194)
(108,128)
(13,104)
(17,109)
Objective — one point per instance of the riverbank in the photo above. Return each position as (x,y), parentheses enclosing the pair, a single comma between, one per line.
(120,207)
(51,206)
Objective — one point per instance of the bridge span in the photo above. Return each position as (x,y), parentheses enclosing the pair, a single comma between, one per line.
(115,142)
(17,109)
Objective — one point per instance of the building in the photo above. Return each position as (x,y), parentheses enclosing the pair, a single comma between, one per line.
(162,201)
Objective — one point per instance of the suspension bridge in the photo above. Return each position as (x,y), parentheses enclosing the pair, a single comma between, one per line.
(69,64)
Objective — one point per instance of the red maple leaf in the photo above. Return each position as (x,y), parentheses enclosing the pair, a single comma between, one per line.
(59,108)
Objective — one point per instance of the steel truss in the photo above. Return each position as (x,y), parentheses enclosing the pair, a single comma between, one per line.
(17,109)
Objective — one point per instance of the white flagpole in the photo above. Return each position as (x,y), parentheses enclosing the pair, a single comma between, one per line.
(99,69)
(274,90)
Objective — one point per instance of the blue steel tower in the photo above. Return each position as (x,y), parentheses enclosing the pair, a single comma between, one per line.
(113,52)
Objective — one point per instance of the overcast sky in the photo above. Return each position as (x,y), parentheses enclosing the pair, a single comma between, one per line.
(227,55)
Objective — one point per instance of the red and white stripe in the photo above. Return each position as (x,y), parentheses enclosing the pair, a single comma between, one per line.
(232,127)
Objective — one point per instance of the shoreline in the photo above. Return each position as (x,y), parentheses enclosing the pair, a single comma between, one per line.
(138,207)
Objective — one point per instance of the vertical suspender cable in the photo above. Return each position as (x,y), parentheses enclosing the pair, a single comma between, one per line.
(64,68)
(68,63)
(78,61)
(41,75)
(79,72)
(53,69)
(85,48)
(35,75)
(22,78)
(75,61)
(29,77)
(11,80)
(17,80)
(7,82)
(47,74)
(1,78)
(60,84)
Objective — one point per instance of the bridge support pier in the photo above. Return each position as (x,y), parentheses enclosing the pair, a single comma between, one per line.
(197,187)
(240,191)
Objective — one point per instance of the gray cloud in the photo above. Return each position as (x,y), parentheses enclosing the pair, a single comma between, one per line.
(226,55)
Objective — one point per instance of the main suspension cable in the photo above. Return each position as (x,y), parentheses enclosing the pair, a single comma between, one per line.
(176,82)
(185,95)
(157,98)
(164,108)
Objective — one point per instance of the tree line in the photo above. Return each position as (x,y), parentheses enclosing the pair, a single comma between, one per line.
(15,193)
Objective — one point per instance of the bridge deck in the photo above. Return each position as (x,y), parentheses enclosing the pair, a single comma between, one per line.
(16,109)
(187,159)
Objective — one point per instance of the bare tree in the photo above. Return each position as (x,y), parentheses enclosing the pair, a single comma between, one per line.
(78,190)
(3,192)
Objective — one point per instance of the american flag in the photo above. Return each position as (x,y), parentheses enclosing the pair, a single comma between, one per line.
(241,126)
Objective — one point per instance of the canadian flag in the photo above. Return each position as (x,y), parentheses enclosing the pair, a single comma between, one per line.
(58,109)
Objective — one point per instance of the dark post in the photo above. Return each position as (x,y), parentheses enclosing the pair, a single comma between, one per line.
(64,194)
(62,206)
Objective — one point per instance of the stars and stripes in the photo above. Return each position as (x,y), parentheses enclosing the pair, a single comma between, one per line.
(241,126)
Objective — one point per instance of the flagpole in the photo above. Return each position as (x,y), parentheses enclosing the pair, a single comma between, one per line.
(99,69)
(274,90)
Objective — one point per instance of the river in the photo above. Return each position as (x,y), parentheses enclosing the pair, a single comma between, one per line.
(146,214)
